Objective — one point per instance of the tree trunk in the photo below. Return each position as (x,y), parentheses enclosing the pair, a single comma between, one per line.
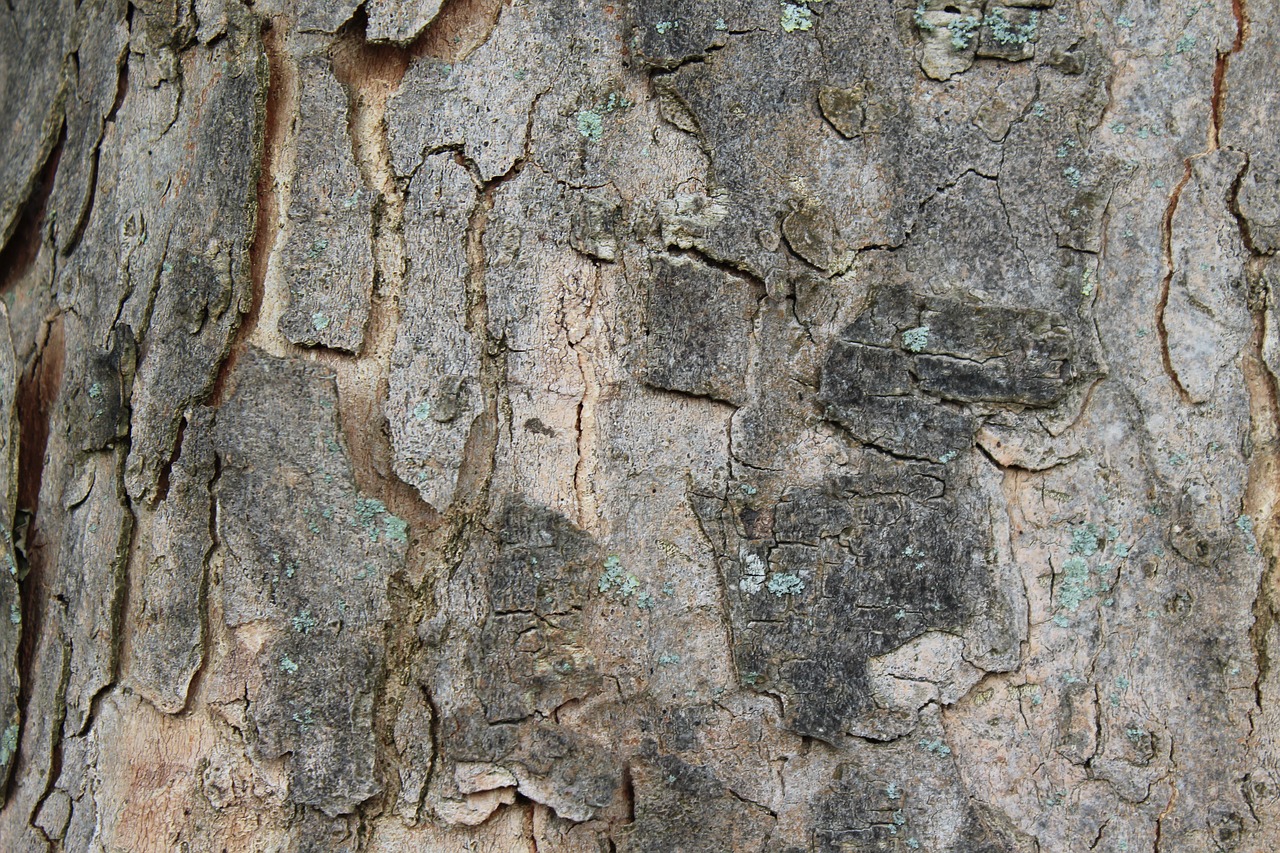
(650,426)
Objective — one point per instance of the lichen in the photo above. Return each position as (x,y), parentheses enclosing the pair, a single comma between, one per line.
(922,23)
(916,339)
(305,720)
(962,31)
(615,102)
(785,583)
(8,743)
(1084,539)
(612,575)
(796,16)
(1006,32)
(1074,587)
(303,622)
(396,528)
(368,509)
(615,582)
(288,666)
(590,124)
(752,574)
(319,321)
(936,746)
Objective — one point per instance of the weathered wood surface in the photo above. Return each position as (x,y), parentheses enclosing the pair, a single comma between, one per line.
(568,425)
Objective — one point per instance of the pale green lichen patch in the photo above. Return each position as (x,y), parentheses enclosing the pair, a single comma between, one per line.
(8,743)
(612,575)
(422,411)
(922,23)
(303,622)
(963,30)
(615,582)
(1245,523)
(796,17)
(288,666)
(785,583)
(396,528)
(590,124)
(1074,587)
(752,574)
(319,321)
(916,339)
(1007,32)
(370,511)
(305,720)
(1085,538)
(936,746)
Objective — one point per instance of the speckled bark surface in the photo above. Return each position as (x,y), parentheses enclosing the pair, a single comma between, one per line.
(796,425)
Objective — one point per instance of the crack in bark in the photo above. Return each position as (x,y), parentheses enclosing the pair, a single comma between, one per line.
(1162,303)
(1212,144)
(21,251)
(280,103)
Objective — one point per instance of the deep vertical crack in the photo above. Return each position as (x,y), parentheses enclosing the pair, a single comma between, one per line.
(279,103)
(1166,283)
(1216,97)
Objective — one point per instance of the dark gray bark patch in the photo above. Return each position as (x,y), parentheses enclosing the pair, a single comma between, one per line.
(823,577)
(309,553)
(699,325)
(169,625)
(328,234)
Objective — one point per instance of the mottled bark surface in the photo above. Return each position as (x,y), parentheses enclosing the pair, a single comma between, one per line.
(640,426)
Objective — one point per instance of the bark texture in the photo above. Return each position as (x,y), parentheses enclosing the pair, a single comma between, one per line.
(527,425)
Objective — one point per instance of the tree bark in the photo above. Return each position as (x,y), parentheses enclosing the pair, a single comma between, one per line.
(640,426)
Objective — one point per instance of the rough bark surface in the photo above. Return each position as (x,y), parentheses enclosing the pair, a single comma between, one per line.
(767,425)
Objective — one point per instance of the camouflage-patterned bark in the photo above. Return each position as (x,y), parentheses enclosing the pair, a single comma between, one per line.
(768,425)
